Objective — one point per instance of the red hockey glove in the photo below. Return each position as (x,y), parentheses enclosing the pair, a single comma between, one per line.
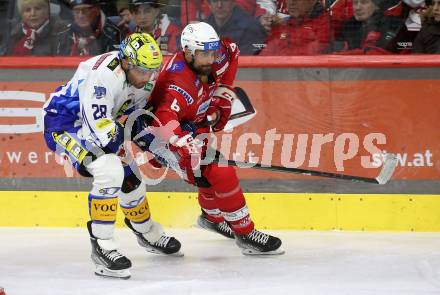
(189,151)
(221,106)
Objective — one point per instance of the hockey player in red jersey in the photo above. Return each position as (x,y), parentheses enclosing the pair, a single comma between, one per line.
(221,81)
(182,97)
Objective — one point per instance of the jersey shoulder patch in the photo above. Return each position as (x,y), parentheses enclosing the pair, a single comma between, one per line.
(220,58)
(176,67)
(113,64)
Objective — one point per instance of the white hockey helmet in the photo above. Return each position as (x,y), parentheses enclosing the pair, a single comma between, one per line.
(199,36)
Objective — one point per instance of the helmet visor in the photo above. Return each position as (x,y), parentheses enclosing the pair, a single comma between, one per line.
(140,76)
(141,71)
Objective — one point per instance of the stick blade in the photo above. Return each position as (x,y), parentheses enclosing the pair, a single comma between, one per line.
(242,110)
(388,167)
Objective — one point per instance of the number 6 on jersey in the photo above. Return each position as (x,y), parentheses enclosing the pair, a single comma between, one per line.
(175,106)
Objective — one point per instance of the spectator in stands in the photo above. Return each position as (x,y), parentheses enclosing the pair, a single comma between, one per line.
(428,39)
(269,18)
(125,14)
(264,10)
(369,31)
(409,11)
(340,11)
(124,21)
(148,19)
(306,32)
(36,34)
(232,22)
(91,33)
(414,9)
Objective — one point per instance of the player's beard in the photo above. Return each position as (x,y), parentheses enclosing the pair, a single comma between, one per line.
(204,70)
(201,70)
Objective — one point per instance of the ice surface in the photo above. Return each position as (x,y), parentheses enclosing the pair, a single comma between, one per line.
(44,261)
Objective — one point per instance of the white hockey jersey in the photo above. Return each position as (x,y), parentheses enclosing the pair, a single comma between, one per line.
(94,98)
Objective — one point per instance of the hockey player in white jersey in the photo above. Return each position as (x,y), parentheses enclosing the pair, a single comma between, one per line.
(81,120)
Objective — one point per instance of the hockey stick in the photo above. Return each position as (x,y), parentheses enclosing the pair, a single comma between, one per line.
(388,167)
(248,107)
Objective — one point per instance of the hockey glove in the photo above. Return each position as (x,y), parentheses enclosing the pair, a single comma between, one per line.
(140,133)
(189,151)
(185,126)
(114,137)
(221,106)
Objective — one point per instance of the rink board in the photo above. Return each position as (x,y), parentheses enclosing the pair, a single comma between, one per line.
(297,211)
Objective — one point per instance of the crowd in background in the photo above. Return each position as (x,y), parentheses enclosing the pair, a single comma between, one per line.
(259,27)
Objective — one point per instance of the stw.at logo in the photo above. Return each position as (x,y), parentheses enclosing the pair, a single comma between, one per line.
(23,113)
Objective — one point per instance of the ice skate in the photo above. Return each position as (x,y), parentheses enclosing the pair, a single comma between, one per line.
(222,228)
(155,241)
(259,243)
(108,260)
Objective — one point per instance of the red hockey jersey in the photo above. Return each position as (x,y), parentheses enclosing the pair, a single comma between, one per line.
(179,94)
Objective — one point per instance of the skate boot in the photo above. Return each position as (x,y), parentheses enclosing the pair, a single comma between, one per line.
(155,241)
(108,260)
(222,228)
(258,243)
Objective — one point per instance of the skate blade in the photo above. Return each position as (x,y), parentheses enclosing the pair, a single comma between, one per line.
(177,254)
(199,224)
(108,273)
(252,252)
(158,252)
